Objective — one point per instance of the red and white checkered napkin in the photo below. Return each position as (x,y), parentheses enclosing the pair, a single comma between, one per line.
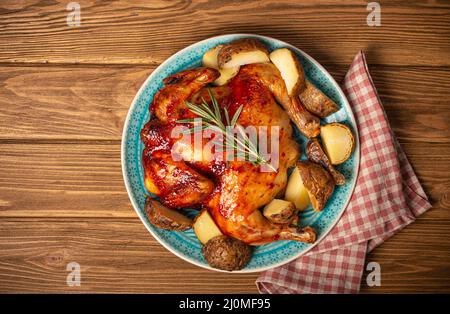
(387,197)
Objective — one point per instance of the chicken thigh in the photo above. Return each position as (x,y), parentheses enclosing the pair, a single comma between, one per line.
(232,191)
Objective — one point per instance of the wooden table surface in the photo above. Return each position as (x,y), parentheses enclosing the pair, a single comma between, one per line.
(65,92)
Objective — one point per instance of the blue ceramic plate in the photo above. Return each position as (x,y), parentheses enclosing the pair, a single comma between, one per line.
(185,244)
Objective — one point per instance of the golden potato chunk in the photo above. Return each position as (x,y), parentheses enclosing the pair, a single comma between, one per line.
(338,142)
(242,51)
(316,102)
(205,228)
(296,191)
(318,183)
(290,68)
(210,60)
(210,57)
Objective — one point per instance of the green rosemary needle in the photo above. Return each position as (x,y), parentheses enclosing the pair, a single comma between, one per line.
(212,120)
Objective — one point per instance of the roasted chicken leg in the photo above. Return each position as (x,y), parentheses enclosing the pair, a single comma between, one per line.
(233,192)
(268,75)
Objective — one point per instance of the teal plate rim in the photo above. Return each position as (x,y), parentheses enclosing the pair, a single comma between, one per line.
(299,248)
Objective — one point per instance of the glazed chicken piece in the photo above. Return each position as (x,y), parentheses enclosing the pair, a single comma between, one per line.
(174,181)
(233,192)
(242,189)
(168,103)
(268,75)
(315,153)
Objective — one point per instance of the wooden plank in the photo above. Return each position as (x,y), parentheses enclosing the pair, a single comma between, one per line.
(426,124)
(114,255)
(91,102)
(64,94)
(120,256)
(431,163)
(415,260)
(412,33)
(67,102)
(405,85)
(70,180)
(85,180)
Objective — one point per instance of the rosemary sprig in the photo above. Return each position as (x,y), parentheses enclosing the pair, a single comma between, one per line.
(212,120)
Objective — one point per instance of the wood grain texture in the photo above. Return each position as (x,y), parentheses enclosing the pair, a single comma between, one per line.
(65,180)
(67,102)
(91,102)
(114,255)
(85,180)
(120,256)
(414,260)
(65,92)
(412,32)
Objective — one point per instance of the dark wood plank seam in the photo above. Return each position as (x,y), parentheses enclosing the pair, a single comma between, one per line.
(155,65)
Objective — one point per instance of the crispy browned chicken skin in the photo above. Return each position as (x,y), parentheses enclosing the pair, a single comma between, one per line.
(233,192)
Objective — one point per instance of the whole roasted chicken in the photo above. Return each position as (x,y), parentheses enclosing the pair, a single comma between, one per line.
(234,191)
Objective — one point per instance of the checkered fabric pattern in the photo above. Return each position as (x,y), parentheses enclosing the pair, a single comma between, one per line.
(387,197)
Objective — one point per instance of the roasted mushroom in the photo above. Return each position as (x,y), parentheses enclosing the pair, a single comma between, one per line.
(166,218)
(227,253)
(318,182)
(315,153)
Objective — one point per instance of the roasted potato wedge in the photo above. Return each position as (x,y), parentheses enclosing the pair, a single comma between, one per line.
(290,68)
(279,211)
(296,191)
(316,102)
(204,227)
(318,183)
(242,51)
(227,253)
(338,142)
(226,75)
(210,60)
(165,218)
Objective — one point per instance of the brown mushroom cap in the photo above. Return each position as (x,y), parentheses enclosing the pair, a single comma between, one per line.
(227,253)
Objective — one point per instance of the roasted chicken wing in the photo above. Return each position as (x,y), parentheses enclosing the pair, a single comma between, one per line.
(168,103)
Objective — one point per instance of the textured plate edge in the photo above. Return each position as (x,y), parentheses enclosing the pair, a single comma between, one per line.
(124,167)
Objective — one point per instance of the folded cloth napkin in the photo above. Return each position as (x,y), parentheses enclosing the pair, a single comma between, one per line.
(387,197)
